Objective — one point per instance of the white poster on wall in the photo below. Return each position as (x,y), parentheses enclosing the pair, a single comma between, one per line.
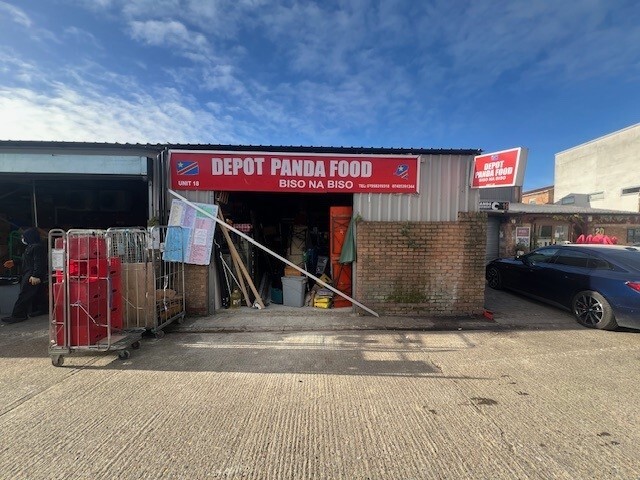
(523,236)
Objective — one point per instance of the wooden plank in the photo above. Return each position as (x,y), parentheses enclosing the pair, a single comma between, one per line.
(236,262)
(236,256)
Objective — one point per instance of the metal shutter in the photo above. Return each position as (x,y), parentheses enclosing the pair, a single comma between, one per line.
(493,238)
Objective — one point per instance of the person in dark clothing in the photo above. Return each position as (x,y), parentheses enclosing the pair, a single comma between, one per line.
(34,274)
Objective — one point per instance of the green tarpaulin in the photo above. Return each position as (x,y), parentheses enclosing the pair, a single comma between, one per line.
(348,253)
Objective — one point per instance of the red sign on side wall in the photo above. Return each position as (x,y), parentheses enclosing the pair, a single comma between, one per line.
(499,169)
(292,172)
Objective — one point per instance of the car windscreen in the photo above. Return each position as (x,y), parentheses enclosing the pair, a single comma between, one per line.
(626,258)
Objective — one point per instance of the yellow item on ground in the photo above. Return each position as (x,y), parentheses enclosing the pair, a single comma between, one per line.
(322,302)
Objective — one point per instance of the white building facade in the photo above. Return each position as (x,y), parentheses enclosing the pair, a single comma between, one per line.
(606,169)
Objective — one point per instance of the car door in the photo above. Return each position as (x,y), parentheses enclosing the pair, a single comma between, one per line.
(527,275)
(569,273)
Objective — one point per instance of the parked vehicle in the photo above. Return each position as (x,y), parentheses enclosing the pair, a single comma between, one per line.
(600,284)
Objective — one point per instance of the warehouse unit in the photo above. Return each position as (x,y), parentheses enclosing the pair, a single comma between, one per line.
(73,185)
(416,244)
(419,240)
(84,185)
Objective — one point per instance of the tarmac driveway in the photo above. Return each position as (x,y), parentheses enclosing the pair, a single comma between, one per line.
(515,310)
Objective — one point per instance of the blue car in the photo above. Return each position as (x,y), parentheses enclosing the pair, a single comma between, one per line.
(600,284)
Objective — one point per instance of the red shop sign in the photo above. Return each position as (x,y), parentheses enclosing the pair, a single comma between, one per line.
(499,169)
(293,172)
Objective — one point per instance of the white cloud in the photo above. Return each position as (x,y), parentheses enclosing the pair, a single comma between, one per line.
(308,71)
(482,42)
(96,5)
(217,18)
(16,14)
(24,21)
(170,34)
(81,108)
(82,36)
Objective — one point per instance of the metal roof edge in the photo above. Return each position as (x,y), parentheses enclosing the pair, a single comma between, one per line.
(65,144)
(327,149)
(251,148)
(536,190)
(551,208)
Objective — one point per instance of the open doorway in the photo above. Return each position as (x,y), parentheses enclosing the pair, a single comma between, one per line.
(51,201)
(296,226)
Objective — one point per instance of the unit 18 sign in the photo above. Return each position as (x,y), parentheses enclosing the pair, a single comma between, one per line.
(499,169)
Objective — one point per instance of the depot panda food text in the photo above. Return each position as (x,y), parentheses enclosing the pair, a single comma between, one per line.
(287,167)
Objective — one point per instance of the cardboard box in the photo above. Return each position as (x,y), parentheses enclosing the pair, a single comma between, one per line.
(167,309)
(138,295)
(296,259)
(291,272)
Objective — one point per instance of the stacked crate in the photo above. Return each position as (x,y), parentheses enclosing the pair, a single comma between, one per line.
(90,289)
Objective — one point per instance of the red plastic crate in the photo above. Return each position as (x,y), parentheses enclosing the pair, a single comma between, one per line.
(82,335)
(116,266)
(84,329)
(83,247)
(88,291)
(116,318)
(94,268)
(116,285)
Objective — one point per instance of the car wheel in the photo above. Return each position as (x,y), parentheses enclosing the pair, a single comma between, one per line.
(494,279)
(592,310)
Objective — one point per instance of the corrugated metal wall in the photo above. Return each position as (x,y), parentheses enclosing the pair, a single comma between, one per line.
(444,191)
(205,196)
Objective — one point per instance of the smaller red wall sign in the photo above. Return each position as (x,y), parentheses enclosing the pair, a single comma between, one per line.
(499,169)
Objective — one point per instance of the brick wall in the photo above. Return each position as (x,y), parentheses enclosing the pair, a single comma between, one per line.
(196,289)
(613,230)
(422,268)
(538,197)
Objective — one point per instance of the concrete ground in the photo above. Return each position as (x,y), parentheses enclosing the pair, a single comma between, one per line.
(301,395)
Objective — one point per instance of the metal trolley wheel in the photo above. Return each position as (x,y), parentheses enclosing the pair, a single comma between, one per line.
(124,354)
(135,345)
(57,360)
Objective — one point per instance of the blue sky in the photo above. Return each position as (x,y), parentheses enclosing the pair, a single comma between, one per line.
(547,75)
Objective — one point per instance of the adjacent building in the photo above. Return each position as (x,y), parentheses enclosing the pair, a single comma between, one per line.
(539,196)
(596,191)
(606,171)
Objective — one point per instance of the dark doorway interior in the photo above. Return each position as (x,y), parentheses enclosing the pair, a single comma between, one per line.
(72,202)
(295,226)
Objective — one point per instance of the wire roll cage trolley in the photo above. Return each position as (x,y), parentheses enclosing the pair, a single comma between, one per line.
(85,296)
(152,275)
